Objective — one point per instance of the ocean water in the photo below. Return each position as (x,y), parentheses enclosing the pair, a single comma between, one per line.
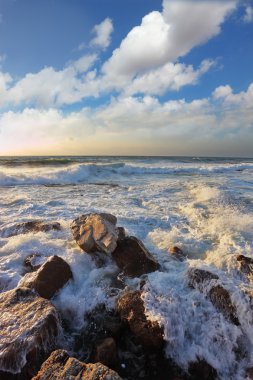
(202,205)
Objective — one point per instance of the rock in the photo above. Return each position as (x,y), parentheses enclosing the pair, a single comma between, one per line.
(249,374)
(95,232)
(33,262)
(131,309)
(27,227)
(106,353)
(222,301)
(29,330)
(177,253)
(246,266)
(206,282)
(121,233)
(61,366)
(49,278)
(133,258)
(202,370)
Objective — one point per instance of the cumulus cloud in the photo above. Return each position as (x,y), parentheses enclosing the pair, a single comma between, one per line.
(102,34)
(164,37)
(248,16)
(130,119)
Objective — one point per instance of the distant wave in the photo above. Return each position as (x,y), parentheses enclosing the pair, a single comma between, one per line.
(94,173)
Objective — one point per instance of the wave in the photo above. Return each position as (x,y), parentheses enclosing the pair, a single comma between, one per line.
(78,173)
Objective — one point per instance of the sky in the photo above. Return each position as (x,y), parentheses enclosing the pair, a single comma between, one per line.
(135,77)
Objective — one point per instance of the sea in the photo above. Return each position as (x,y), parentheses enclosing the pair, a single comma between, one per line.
(202,205)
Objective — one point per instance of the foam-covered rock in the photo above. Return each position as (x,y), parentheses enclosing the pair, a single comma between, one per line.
(207,283)
(245,266)
(132,312)
(29,331)
(133,258)
(49,278)
(63,367)
(177,253)
(28,227)
(96,232)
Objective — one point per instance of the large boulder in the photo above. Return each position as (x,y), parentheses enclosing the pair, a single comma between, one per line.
(27,227)
(63,367)
(207,283)
(132,312)
(96,232)
(49,278)
(29,331)
(133,258)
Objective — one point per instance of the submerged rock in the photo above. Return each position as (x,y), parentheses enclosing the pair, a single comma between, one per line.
(33,262)
(27,227)
(49,278)
(177,253)
(29,331)
(121,233)
(206,282)
(132,312)
(95,232)
(63,367)
(133,258)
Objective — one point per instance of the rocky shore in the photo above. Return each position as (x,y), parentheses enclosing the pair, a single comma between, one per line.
(121,343)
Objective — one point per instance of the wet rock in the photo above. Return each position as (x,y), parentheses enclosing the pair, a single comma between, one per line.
(133,258)
(202,370)
(121,233)
(61,366)
(177,253)
(249,374)
(246,266)
(206,282)
(131,309)
(106,353)
(27,227)
(49,278)
(95,232)
(33,262)
(29,331)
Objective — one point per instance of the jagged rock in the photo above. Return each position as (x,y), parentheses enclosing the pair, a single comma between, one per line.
(29,331)
(49,278)
(61,366)
(249,374)
(246,266)
(121,233)
(95,232)
(177,253)
(131,309)
(27,227)
(202,370)
(206,282)
(133,258)
(106,353)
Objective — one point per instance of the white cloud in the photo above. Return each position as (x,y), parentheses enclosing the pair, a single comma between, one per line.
(102,34)
(163,37)
(128,120)
(222,92)
(248,16)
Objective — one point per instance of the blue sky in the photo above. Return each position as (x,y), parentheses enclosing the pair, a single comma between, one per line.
(171,77)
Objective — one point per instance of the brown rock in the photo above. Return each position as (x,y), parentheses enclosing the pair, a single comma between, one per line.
(60,366)
(133,258)
(106,353)
(95,232)
(131,309)
(177,253)
(29,330)
(246,266)
(33,262)
(202,370)
(27,227)
(49,278)
(249,374)
(206,282)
